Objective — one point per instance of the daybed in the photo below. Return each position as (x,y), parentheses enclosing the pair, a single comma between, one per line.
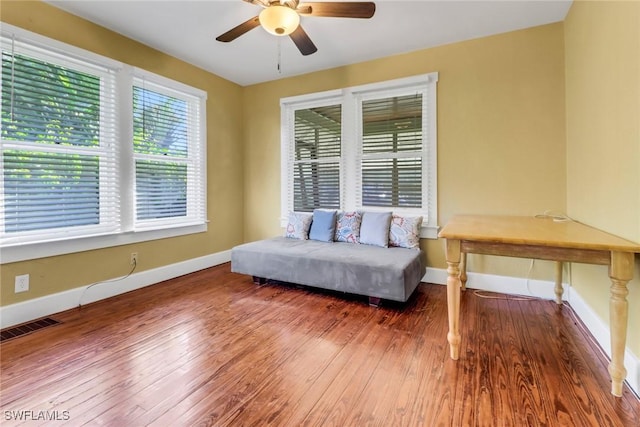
(346,265)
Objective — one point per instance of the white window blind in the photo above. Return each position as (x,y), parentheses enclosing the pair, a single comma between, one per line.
(370,147)
(316,165)
(391,156)
(168,155)
(57,144)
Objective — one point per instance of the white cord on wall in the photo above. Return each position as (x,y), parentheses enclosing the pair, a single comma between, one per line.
(556,216)
(117,279)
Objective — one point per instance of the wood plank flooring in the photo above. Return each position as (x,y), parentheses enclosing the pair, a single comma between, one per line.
(213,349)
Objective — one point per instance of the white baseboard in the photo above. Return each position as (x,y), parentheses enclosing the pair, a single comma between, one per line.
(502,284)
(544,289)
(44,306)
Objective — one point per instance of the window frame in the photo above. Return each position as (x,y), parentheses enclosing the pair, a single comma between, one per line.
(350,168)
(106,151)
(126,233)
(289,145)
(196,163)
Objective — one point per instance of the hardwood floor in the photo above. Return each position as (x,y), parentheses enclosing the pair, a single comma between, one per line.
(212,348)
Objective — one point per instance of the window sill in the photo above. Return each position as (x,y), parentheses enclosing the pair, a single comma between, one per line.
(429,232)
(31,251)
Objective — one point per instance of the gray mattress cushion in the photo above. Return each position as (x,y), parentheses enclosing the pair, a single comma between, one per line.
(389,273)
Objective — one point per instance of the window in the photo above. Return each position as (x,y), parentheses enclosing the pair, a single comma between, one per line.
(74,125)
(391,154)
(316,163)
(167,157)
(369,147)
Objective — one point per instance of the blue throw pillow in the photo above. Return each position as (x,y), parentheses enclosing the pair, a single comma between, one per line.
(374,229)
(323,226)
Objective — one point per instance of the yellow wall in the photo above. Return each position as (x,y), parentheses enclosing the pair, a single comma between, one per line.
(501,140)
(602,43)
(224,160)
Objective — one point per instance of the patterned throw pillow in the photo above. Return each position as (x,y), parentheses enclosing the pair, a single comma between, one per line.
(348,227)
(405,231)
(298,226)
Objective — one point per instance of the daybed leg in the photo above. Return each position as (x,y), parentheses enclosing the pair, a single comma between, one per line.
(374,301)
(259,280)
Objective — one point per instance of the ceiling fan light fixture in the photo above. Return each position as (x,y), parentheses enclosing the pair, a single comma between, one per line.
(279,20)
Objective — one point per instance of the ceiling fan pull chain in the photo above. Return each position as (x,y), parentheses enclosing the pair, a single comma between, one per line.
(279,55)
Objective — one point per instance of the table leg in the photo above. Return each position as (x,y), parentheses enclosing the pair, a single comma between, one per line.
(620,272)
(558,289)
(453,296)
(463,271)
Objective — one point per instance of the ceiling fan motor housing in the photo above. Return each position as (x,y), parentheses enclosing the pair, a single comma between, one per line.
(279,20)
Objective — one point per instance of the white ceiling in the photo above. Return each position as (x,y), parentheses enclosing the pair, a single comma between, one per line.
(187,29)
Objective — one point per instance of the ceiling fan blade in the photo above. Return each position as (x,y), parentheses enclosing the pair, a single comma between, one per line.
(303,42)
(363,9)
(263,3)
(236,32)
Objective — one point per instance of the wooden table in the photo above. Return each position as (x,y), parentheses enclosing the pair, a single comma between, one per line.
(542,238)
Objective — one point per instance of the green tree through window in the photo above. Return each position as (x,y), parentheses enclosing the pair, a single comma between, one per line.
(51,122)
(160,144)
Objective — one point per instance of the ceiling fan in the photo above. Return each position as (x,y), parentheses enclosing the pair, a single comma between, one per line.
(282,18)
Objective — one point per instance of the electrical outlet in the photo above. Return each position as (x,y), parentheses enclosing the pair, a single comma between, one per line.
(134,258)
(22,283)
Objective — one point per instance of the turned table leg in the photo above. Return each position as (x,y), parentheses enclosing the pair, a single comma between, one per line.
(620,272)
(558,288)
(453,296)
(463,271)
